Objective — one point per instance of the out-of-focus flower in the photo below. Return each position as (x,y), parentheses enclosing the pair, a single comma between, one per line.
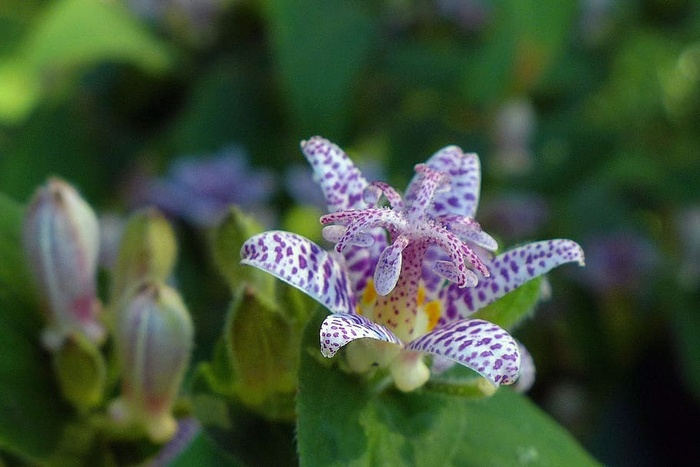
(154,337)
(689,233)
(111,230)
(470,15)
(514,128)
(596,21)
(187,429)
(61,240)
(375,283)
(201,189)
(147,251)
(515,216)
(619,261)
(195,18)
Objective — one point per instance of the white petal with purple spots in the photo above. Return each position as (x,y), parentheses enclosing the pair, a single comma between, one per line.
(482,346)
(303,264)
(340,328)
(527,369)
(509,270)
(465,182)
(342,183)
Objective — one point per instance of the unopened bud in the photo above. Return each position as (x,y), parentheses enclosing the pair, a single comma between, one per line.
(61,240)
(154,337)
(234,229)
(147,252)
(81,372)
(263,345)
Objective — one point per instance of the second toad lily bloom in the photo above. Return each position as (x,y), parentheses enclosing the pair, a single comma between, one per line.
(404,279)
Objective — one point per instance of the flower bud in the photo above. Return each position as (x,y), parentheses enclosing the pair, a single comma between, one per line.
(80,371)
(263,342)
(61,240)
(233,230)
(154,337)
(147,251)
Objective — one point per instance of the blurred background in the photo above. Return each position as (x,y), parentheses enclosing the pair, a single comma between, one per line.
(586,116)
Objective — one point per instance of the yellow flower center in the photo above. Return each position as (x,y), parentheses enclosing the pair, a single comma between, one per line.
(427,315)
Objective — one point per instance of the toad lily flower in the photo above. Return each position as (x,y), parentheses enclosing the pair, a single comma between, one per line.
(404,279)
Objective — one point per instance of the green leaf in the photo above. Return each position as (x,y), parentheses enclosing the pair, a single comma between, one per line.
(32,415)
(527,38)
(321,47)
(509,310)
(644,61)
(70,34)
(247,437)
(344,421)
(81,32)
(54,141)
(15,280)
(203,451)
(228,103)
(684,319)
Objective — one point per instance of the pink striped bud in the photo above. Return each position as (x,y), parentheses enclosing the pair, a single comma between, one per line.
(61,240)
(154,337)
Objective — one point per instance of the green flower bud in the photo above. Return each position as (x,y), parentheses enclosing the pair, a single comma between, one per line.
(147,252)
(81,372)
(263,345)
(61,240)
(154,337)
(234,229)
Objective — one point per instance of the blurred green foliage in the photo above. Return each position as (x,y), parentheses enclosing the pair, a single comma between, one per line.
(94,92)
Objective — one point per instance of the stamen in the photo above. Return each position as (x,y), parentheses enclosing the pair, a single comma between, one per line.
(388,270)
(374,191)
(333,233)
(422,198)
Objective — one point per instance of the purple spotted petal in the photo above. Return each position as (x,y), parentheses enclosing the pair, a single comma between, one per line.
(465,182)
(342,183)
(477,344)
(527,370)
(509,270)
(303,264)
(340,328)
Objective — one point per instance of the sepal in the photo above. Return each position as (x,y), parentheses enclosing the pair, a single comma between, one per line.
(80,371)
